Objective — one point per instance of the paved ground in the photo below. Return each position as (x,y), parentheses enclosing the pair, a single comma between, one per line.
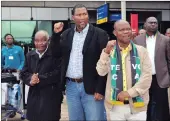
(64,113)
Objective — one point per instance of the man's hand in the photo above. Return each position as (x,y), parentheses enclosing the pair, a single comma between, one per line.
(123,95)
(58,27)
(110,46)
(98,96)
(34,79)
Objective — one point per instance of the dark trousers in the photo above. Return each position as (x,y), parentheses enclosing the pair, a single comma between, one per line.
(158,107)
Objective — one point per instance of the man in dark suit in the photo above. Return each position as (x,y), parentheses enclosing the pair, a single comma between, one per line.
(158,47)
(41,72)
(80,49)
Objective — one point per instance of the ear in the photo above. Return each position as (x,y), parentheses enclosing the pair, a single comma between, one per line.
(144,26)
(115,33)
(73,17)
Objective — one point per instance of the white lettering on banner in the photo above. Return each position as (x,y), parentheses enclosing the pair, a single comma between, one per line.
(136,65)
(137,76)
(112,67)
(114,76)
(115,66)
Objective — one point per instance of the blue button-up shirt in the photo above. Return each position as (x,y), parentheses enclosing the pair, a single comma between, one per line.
(12,57)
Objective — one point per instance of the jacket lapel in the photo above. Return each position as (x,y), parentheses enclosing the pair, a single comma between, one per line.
(158,41)
(34,56)
(88,38)
(143,40)
(70,39)
(47,53)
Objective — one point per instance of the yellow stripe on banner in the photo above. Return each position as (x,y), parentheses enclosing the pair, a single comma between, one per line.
(138,104)
(111,94)
(103,20)
(116,103)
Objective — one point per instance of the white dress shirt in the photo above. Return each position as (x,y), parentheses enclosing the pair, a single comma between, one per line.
(41,54)
(75,66)
(150,44)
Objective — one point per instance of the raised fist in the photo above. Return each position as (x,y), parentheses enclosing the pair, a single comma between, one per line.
(58,27)
(110,46)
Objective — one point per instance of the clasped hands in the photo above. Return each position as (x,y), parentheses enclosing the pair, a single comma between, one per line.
(123,95)
(34,79)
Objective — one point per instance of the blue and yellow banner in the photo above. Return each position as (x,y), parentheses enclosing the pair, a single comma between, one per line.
(102,14)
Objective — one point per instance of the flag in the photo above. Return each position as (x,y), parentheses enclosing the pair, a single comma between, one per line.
(134,23)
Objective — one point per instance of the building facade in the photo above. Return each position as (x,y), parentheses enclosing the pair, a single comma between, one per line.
(24,18)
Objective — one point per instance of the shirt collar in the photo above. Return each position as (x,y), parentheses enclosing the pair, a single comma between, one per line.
(84,30)
(154,35)
(10,47)
(41,54)
(127,49)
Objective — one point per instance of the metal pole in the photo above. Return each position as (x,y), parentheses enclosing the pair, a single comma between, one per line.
(123,10)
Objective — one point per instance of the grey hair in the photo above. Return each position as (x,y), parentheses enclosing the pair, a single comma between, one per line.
(42,32)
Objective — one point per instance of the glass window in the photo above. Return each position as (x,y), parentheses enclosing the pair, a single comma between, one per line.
(23,28)
(5,28)
(23,31)
(45,25)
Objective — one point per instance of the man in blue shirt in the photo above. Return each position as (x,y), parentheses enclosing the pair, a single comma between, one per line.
(12,55)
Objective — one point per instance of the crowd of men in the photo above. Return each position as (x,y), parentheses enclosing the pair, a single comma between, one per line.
(123,79)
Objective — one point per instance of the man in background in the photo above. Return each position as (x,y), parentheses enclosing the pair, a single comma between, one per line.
(12,60)
(158,47)
(167,32)
(168,35)
(142,31)
(12,55)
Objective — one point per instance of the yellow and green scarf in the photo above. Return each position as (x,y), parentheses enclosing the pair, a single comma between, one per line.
(117,75)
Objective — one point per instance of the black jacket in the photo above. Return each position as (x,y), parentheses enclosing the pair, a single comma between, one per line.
(95,41)
(44,99)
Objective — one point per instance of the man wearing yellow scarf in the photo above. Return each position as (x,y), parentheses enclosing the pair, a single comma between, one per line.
(129,76)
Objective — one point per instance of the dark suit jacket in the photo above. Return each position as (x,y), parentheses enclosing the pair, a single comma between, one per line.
(95,41)
(162,57)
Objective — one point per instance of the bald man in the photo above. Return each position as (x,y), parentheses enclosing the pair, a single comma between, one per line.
(142,31)
(168,35)
(158,47)
(128,69)
(168,32)
(41,73)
